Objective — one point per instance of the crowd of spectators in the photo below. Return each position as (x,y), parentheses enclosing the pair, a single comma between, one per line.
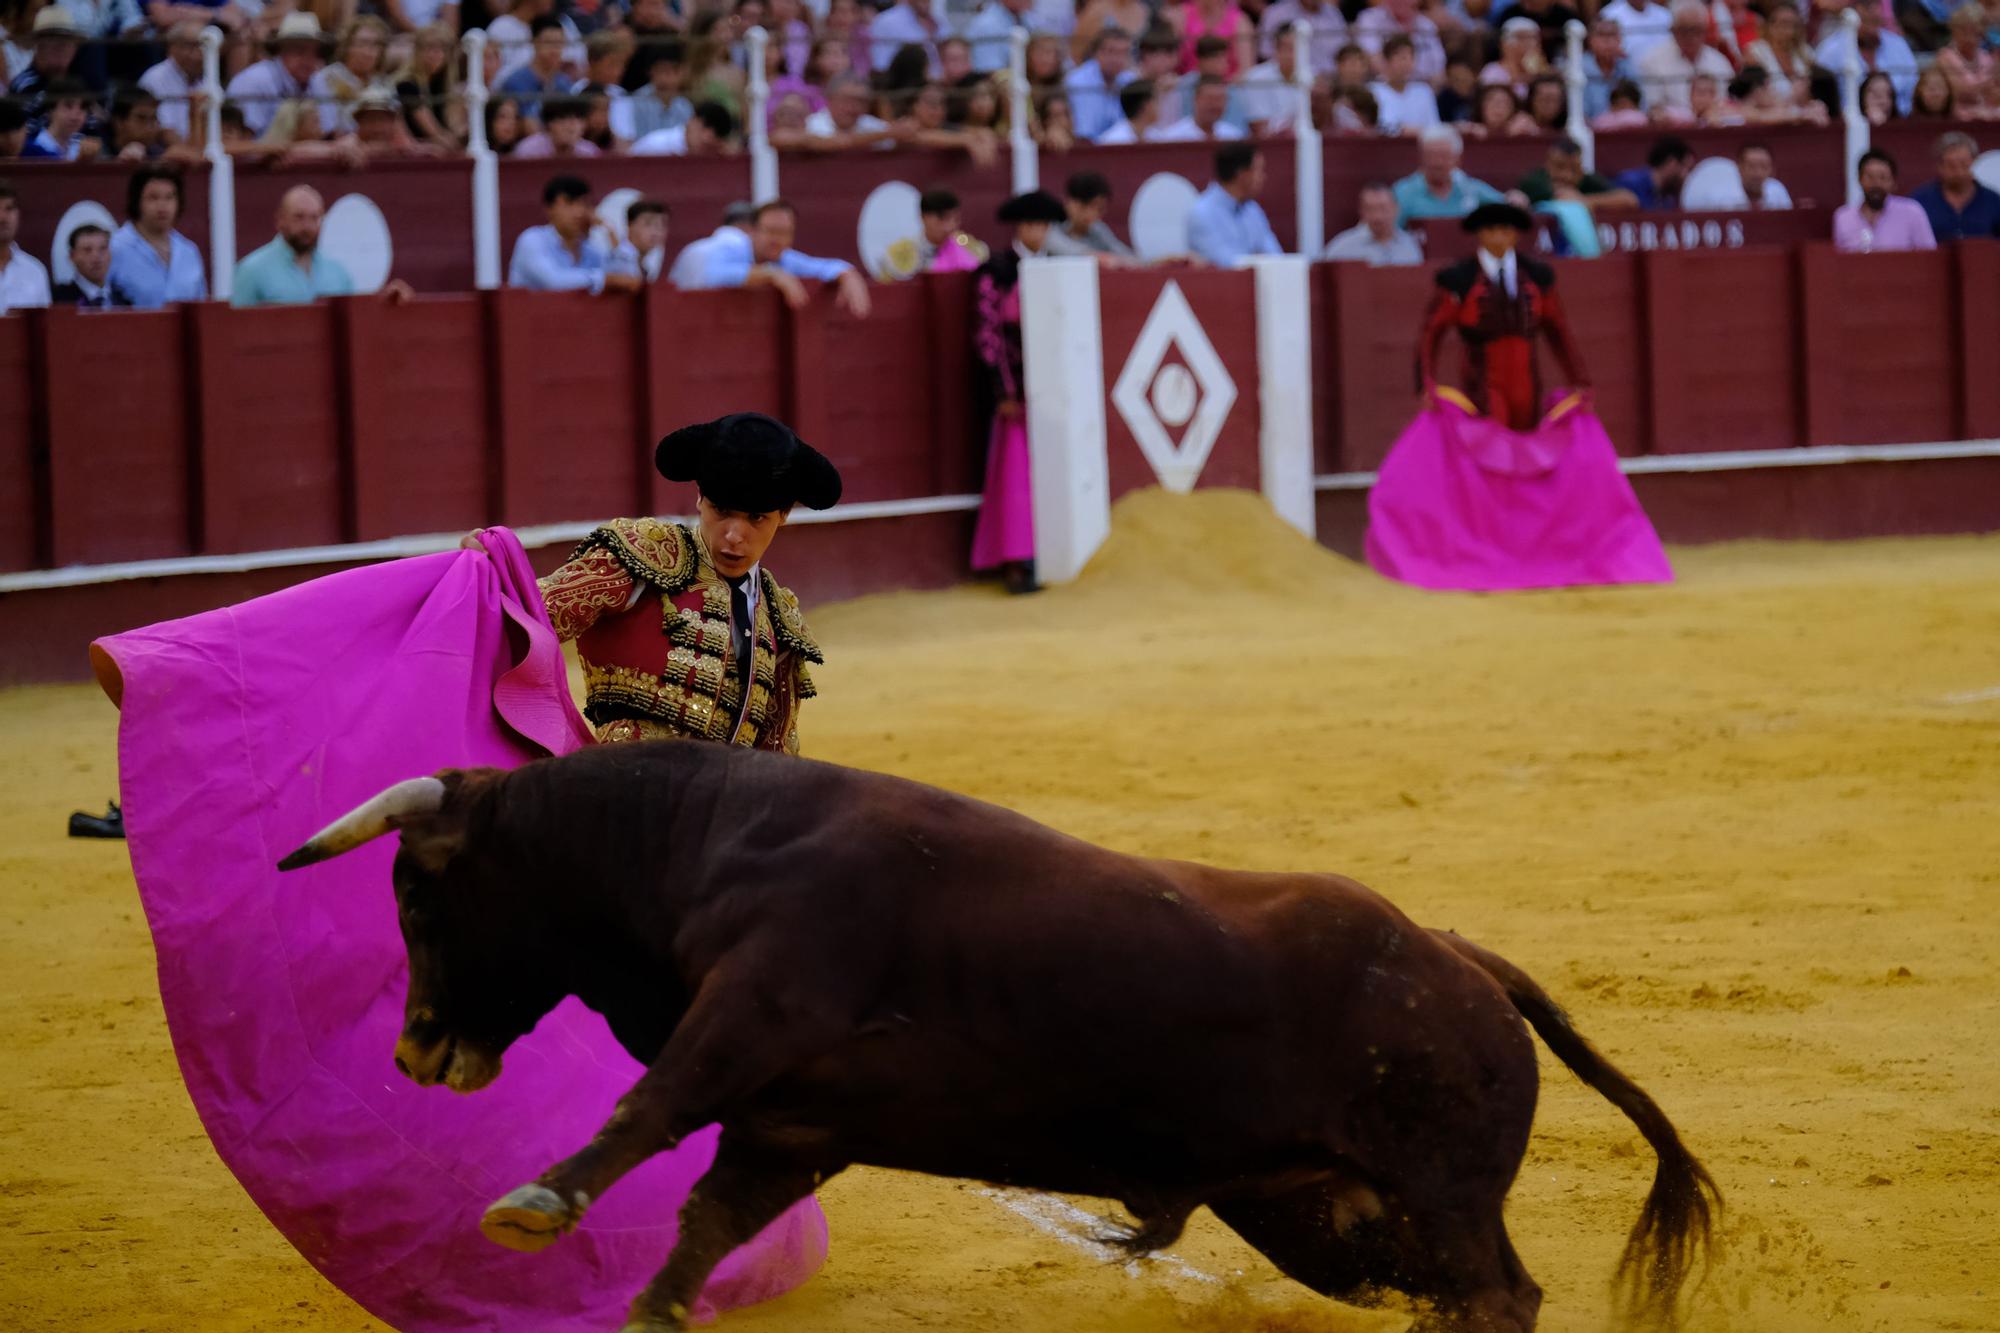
(578,78)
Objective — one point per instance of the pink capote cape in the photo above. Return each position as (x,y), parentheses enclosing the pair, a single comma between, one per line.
(1463,502)
(245,730)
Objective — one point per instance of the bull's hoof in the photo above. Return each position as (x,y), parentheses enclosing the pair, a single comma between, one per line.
(530,1219)
(649,1321)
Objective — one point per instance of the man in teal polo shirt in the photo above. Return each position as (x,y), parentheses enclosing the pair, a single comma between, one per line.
(289,269)
(1437,188)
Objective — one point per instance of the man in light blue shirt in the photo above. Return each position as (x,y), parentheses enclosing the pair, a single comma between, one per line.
(762,256)
(288,269)
(152,264)
(1227,225)
(1093,86)
(1881,51)
(1437,188)
(562,256)
(991,32)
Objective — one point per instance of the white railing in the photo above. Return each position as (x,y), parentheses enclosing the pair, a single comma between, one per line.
(1020,139)
(485,167)
(757,129)
(221,173)
(1310,185)
(1851,118)
(1575,81)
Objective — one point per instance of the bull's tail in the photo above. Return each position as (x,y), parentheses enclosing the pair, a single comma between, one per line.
(1674,1228)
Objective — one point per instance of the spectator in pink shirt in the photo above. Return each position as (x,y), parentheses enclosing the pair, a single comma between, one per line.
(563,121)
(1882,220)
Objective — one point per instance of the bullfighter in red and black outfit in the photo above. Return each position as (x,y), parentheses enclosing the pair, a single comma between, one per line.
(681,631)
(1499,300)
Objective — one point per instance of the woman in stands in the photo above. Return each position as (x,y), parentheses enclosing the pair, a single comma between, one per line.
(1878,99)
(1499,114)
(1197,19)
(504,125)
(1548,103)
(1055,128)
(1784,53)
(356,67)
(428,87)
(1934,98)
(1965,59)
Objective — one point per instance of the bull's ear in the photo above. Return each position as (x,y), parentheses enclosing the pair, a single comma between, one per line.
(435,839)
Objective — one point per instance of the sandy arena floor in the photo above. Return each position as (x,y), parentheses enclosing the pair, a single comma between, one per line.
(1745,827)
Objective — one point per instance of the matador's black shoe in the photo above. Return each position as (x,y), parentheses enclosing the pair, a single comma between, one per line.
(110,824)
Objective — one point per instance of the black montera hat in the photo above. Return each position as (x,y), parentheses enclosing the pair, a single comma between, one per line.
(1034,206)
(1499,215)
(750,462)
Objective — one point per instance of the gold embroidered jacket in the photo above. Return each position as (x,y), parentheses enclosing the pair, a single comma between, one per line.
(662,664)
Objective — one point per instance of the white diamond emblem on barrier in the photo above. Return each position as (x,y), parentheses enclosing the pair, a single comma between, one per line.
(1143,383)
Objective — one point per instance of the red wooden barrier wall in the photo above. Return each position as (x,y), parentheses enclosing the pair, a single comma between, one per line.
(1881,346)
(269,408)
(566,385)
(115,393)
(203,429)
(1723,341)
(20,519)
(417,415)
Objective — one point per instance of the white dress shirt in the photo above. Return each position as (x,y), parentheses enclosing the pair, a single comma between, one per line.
(23,282)
(1500,272)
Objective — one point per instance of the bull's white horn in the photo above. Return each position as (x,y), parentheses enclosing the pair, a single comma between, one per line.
(389,810)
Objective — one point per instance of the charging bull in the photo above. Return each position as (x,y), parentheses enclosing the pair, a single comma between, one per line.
(843,967)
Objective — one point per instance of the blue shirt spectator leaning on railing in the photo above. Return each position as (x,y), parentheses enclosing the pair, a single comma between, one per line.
(761,255)
(562,255)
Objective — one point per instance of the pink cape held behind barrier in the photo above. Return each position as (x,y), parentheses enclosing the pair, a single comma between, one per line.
(244,731)
(1463,502)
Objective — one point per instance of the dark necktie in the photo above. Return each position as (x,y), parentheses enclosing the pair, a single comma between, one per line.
(742,629)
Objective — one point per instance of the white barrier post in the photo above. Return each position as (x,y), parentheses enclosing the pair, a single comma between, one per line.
(221,173)
(763,157)
(1578,127)
(1027,166)
(1311,206)
(1856,124)
(1062,343)
(485,167)
(1285,386)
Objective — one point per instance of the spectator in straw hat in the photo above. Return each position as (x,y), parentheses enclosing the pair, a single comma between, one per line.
(297,51)
(56,37)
